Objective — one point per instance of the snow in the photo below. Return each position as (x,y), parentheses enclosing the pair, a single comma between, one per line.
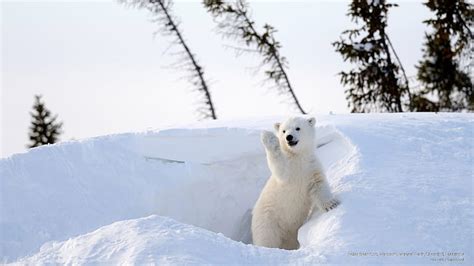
(184,195)
(373,2)
(367,47)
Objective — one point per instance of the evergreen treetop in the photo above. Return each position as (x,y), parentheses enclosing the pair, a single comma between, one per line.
(376,84)
(234,21)
(44,128)
(445,85)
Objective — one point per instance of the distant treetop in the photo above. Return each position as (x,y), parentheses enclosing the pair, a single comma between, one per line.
(44,128)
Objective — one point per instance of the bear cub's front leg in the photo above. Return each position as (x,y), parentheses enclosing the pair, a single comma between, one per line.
(277,162)
(321,194)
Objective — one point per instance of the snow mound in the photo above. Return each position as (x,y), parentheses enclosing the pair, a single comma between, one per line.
(184,195)
(151,240)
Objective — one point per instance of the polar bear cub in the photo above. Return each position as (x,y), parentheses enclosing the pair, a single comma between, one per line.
(297,185)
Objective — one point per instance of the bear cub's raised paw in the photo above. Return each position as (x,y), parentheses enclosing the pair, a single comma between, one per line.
(270,140)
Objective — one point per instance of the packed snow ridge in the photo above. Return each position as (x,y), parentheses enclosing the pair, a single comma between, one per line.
(184,195)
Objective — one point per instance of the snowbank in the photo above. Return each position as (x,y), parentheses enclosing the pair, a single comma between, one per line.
(184,195)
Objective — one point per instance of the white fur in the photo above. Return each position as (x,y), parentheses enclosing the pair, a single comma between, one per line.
(296,186)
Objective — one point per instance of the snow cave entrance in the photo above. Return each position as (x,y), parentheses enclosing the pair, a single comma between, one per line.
(218,195)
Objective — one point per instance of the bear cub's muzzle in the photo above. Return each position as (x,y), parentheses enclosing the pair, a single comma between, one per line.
(291,141)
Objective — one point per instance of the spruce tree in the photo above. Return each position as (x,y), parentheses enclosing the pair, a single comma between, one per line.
(162,13)
(44,128)
(234,21)
(445,86)
(376,84)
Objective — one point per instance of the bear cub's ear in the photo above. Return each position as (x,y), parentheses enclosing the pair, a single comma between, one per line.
(277,126)
(312,121)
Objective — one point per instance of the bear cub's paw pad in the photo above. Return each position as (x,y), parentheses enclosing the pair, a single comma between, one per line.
(332,204)
(270,140)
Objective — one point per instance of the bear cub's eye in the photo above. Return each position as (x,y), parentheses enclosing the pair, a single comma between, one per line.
(284,131)
(297,129)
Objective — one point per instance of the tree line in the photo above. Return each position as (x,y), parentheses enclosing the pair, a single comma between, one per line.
(376,83)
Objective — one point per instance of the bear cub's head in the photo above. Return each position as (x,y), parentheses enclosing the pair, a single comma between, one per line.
(296,134)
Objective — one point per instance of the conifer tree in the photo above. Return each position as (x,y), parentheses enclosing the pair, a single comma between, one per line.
(44,128)
(378,82)
(234,21)
(445,86)
(169,26)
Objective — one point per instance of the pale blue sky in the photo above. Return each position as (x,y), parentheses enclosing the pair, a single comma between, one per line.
(99,67)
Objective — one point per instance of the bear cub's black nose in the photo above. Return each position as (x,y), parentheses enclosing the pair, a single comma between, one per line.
(289,137)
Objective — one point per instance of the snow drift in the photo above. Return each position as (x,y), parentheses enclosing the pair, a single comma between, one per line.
(184,195)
